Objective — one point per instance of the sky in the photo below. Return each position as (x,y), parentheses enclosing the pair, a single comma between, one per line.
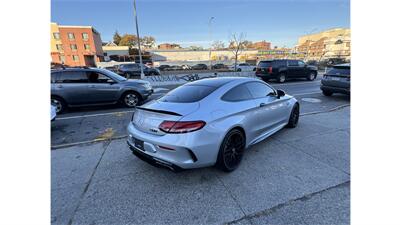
(186,22)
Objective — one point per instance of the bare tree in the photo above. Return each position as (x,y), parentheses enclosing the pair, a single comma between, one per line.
(218,45)
(236,45)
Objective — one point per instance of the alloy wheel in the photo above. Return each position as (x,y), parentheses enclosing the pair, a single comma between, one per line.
(57,104)
(131,100)
(233,150)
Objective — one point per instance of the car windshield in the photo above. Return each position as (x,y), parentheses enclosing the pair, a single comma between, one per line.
(113,75)
(339,70)
(265,63)
(187,94)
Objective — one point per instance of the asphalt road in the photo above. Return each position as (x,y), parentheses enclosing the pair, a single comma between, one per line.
(297,176)
(82,125)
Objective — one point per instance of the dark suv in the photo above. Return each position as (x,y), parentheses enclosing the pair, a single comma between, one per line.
(93,86)
(336,80)
(133,69)
(285,69)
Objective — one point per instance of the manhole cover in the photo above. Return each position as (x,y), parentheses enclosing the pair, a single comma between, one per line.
(311,100)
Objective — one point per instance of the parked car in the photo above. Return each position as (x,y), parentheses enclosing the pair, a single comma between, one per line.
(112,68)
(200,67)
(219,66)
(163,67)
(92,86)
(209,121)
(133,69)
(174,68)
(53,112)
(242,67)
(186,67)
(285,69)
(336,80)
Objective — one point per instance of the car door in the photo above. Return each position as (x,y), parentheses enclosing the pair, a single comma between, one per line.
(242,108)
(271,110)
(293,69)
(302,69)
(72,86)
(103,88)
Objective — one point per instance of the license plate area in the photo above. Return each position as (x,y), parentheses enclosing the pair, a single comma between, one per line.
(335,78)
(138,144)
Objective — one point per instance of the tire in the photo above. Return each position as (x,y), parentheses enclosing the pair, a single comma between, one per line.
(127,75)
(239,70)
(281,78)
(59,103)
(254,69)
(265,79)
(312,76)
(130,99)
(327,93)
(294,116)
(230,153)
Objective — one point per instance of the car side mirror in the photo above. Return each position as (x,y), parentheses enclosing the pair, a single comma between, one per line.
(280,93)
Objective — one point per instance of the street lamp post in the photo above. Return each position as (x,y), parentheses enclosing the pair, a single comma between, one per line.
(209,32)
(138,39)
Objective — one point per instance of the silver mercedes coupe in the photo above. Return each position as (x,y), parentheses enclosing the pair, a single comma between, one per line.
(209,122)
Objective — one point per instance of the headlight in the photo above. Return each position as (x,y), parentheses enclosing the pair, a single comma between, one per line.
(147,85)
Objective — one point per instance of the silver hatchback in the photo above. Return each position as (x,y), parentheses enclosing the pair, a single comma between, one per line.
(208,122)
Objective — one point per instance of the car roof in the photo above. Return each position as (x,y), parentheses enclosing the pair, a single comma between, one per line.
(217,82)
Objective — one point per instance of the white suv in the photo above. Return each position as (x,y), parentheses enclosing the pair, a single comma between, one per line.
(243,67)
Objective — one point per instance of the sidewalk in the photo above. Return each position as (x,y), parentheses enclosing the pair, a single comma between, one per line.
(298,176)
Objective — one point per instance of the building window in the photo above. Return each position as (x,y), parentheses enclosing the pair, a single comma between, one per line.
(87,46)
(74,47)
(56,35)
(62,58)
(85,36)
(75,58)
(59,47)
(71,36)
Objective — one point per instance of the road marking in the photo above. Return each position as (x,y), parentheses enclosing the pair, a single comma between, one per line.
(94,115)
(325,111)
(308,93)
(311,100)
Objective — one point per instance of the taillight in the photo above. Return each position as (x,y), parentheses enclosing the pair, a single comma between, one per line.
(177,127)
(270,69)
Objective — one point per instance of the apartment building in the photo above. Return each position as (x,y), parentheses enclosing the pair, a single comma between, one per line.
(334,43)
(75,45)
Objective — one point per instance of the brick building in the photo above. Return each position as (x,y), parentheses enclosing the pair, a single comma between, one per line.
(167,46)
(262,45)
(76,45)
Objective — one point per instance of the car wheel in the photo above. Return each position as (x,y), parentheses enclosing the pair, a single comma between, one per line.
(327,93)
(282,78)
(239,70)
(265,79)
(294,116)
(254,69)
(130,99)
(231,151)
(127,75)
(59,103)
(311,76)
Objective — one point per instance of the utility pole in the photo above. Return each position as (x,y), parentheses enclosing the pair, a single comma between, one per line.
(138,38)
(209,33)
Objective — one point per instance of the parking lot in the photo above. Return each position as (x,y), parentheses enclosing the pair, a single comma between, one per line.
(297,176)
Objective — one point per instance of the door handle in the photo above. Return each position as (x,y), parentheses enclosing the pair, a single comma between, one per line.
(263,104)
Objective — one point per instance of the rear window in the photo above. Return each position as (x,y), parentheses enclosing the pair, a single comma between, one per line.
(339,71)
(187,93)
(265,64)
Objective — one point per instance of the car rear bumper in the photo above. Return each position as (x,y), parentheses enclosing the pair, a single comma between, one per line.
(335,89)
(185,151)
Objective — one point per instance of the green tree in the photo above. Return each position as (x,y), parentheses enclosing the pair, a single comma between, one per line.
(128,40)
(116,38)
